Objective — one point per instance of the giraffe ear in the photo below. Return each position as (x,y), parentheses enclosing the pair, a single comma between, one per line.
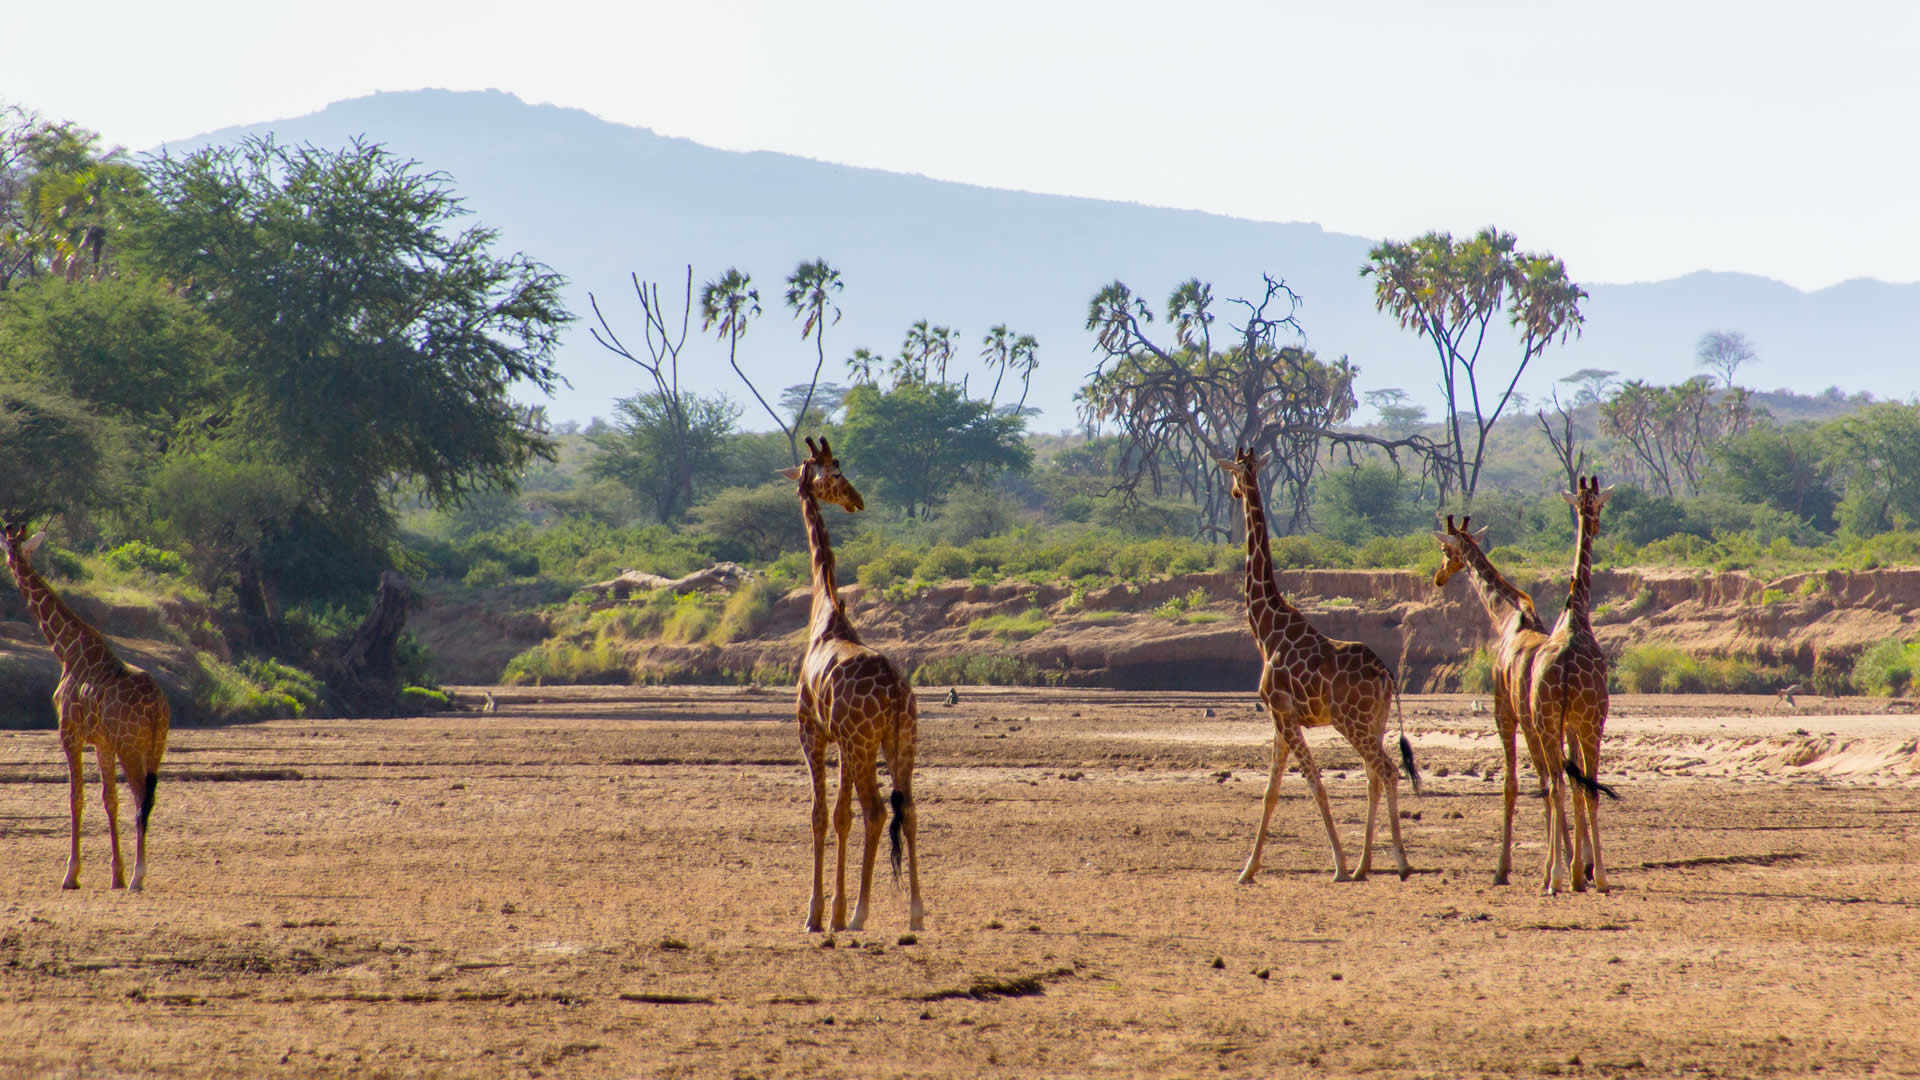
(1605,494)
(33,544)
(793,473)
(1445,540)
(1569,498)
(1226,465)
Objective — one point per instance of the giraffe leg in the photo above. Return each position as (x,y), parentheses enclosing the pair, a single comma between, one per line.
(1510,794)
(1296,737)
(136,773)
(1390,780)
(906,817)
(813,745)
(842,824)
(873,816)
(1590,763)
(1266,814)
(107,761)
(76,797)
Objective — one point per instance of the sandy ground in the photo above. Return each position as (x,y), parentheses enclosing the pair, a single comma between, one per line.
(612,883)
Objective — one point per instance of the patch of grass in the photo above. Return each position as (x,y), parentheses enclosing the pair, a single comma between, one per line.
(563,662)
(1202,617)
(744,613)
(1769,597)
(691,619)
(1100,616)
(1011,627)
(1477,676)
(983,669)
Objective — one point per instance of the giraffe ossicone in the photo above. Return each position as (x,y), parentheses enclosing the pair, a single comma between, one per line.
(119,711)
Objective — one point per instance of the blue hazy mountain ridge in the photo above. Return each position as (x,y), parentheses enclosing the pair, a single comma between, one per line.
(598,201)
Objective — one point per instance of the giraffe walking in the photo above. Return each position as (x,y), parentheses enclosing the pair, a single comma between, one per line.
(855,697)
(102,703)
(1310,680)
(1569,704)
(1519,634)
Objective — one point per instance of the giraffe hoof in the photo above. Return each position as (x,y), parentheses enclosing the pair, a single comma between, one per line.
(1245,878)
(1342,876)
(1406,872)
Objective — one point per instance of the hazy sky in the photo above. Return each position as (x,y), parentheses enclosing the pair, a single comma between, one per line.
(1635,140)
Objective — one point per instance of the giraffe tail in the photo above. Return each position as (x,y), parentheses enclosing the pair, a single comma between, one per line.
(901,800)
(1406,746)
(1593,786)
(146,798)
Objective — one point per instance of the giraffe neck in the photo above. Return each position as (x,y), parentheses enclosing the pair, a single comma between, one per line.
(1580,592)
(1502,598)
(830,620)
(1268,612)
(80,647)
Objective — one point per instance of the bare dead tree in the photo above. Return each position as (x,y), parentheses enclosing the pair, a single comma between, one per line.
(1180,406)
(662,365)
(1566,449)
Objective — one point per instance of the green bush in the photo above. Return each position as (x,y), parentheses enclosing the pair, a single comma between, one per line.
(415,700)
(139,556)
(1659,668)
(744,612)
(944,563)
(1886,668)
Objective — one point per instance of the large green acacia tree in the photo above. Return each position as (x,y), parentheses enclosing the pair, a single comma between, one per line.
(919,440)
(374,342)
(1449,292)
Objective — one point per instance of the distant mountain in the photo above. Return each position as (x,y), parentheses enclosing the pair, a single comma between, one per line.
(598,201)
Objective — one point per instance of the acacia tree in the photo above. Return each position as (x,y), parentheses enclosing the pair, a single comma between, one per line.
(1724,352)
(1449,292)
(810,291)
(1182,405)
(373,343)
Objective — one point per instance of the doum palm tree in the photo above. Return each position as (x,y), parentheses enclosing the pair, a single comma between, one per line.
(810,290)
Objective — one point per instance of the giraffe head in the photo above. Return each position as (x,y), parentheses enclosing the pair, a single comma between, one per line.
(18,544)
(820,476)
(1587,502)
(1459,547)
(1244,469)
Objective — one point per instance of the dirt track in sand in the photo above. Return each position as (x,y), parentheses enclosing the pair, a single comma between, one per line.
(611,883)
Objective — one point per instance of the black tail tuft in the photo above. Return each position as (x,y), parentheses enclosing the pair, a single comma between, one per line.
(894,827)
(146,802)
(1593,786)
(1406,758)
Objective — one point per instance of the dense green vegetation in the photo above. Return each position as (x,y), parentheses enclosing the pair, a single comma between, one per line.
(255,376)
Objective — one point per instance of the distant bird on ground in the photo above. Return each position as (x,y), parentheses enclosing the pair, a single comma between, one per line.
(1478,707)
(489,705)
(1786,696)
(953,696)
(1209,714)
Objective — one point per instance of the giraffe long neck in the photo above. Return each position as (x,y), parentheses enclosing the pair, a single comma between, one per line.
(829,617)
(1580,592)
(1502,598)
(80,647)
(1268,612)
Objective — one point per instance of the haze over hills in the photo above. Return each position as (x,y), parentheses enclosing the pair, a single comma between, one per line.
(598,201)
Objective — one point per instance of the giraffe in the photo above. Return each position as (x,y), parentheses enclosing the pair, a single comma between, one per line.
(1519,634)
(117,710)
(855,697)
(1569,703)
(1310,680)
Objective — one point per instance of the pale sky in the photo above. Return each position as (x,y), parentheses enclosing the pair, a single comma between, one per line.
(1636,140)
